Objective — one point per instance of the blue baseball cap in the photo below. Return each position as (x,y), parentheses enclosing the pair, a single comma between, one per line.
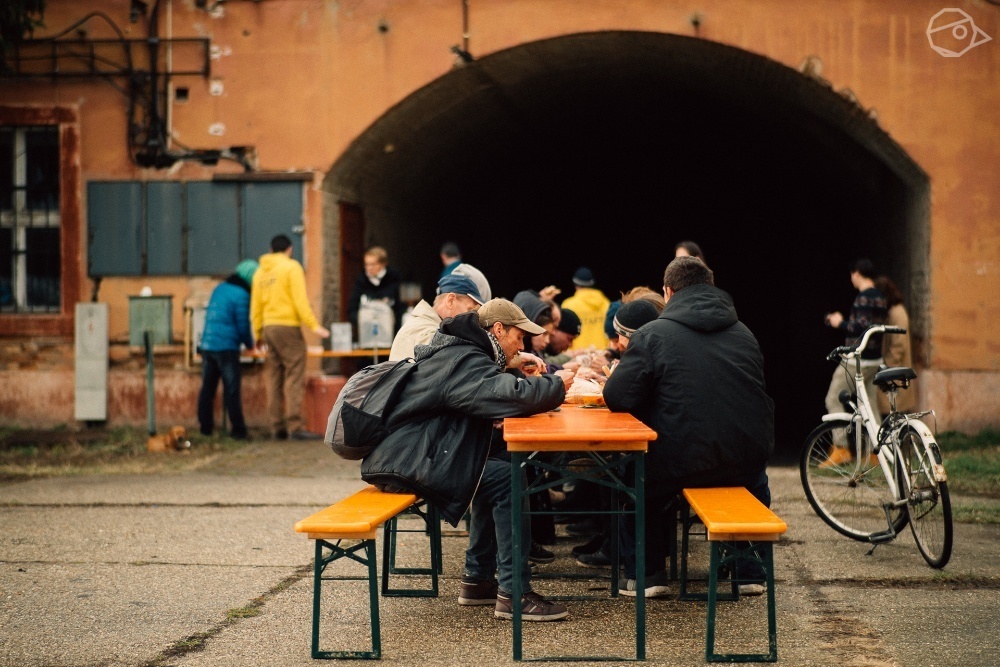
(456,284)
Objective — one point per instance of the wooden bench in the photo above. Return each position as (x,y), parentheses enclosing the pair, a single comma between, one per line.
(357,519)
(737,525)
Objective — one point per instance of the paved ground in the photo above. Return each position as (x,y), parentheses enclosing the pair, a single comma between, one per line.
(203,568)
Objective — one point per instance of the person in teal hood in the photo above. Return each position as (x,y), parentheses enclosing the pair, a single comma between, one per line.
(227,326)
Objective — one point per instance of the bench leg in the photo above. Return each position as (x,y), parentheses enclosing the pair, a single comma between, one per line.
(319,566)
(687,520)
(762,552)
(433,531)
(432,528)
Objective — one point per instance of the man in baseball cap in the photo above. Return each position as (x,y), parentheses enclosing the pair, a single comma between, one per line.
(456,295)
(443,445)
(508,314)
(461,285)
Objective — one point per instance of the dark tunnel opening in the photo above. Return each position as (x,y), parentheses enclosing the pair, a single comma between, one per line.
(606,149)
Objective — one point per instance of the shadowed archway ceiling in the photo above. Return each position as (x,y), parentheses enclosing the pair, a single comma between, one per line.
(630,94)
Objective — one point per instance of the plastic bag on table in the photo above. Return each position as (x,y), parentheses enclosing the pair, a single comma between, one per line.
(585,392)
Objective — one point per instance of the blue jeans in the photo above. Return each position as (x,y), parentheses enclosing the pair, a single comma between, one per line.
(659,494)
(224,365)
(491,531)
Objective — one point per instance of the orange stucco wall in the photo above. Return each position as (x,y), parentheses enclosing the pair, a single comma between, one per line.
(301,79)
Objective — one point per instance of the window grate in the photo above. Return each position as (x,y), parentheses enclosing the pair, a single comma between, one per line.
(30,267)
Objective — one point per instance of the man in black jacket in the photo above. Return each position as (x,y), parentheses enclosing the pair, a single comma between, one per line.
(446,446)
(695,375)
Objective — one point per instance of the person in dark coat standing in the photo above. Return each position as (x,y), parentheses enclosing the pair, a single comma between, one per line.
(378,282)
(227,325)
(446,446)
(695,375)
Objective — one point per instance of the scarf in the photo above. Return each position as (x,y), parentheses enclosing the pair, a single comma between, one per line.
(498,354)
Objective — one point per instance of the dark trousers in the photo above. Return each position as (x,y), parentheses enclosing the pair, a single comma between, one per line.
(224,365)
(660,494)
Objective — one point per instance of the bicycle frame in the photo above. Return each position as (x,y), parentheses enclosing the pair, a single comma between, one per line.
(879,433)
(907,479)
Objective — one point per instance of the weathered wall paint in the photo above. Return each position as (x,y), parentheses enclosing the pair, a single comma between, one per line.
(303,78)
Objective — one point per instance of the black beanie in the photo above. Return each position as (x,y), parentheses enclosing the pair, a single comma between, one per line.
(633,315)
(569,322)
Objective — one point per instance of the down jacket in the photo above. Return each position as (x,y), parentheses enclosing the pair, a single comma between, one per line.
(441,431)
(227,318)
(695,375)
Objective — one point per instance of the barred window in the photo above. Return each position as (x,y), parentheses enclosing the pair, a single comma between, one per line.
(30,270)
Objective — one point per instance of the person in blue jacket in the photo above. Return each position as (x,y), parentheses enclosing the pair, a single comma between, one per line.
(227,324)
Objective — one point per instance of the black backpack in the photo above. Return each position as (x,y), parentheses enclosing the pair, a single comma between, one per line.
(357,421)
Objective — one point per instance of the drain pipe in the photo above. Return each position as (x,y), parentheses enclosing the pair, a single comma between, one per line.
(147,337)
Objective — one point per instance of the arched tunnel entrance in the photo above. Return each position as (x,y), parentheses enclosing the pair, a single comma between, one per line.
(606,149)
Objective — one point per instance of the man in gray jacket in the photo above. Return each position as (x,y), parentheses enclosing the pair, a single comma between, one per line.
(445,444)
(695,375)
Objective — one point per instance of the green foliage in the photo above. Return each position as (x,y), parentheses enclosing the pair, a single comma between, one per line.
(953,441)
(242,612)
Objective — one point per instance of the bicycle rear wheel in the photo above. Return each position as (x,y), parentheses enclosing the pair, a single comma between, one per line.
(845,484)
(928,503)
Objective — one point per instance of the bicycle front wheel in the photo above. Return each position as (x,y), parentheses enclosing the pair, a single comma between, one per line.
(927,501)
(845,484)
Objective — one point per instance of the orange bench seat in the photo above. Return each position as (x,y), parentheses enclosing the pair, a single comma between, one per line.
(355,517)
(733,513)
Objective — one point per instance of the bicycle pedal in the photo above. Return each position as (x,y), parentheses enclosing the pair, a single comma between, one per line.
(881,538)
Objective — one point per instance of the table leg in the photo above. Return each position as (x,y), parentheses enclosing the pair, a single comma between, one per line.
(640,557)
(516,460)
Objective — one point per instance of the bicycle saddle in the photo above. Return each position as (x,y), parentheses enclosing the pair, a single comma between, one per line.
(898,376)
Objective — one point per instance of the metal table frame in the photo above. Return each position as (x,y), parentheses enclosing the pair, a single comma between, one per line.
(629,448)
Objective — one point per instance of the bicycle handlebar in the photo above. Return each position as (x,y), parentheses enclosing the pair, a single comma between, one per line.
(850,351)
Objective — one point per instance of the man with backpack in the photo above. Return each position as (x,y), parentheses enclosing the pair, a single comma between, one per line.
(445,444)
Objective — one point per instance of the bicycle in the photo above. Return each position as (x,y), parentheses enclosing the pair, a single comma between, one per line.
(867,479)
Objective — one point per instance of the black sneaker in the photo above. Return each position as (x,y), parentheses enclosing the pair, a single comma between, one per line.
(476,592)
(589,547)
(657,586)
(540,554)
(533,608)
(596,559)
(280,434)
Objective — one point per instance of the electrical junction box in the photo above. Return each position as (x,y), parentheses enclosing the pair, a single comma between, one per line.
(153,314)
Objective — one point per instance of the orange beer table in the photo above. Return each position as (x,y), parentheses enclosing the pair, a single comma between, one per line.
(373,352)
(612,440)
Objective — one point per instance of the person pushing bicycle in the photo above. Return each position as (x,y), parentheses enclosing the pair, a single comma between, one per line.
(869,308)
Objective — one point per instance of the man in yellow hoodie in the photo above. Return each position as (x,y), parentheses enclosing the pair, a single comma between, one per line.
(279,309)
(590,304)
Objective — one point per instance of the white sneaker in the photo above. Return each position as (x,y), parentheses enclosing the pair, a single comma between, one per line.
(752,589)
(657,585)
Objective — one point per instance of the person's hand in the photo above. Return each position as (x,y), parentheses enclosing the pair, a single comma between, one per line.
(550,292)
(321,331)
(599,360)
(834,319)
(589,373)
(529,364)
(566,376)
